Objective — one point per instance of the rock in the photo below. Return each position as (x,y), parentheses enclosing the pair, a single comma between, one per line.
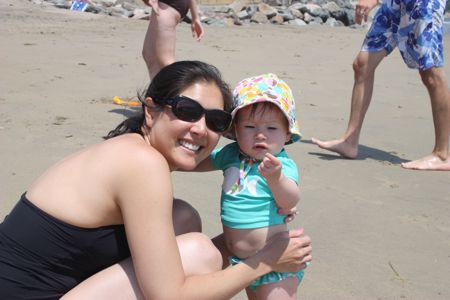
(238,5)
(332,7)
(269,11)
(277,20)
(287,15)
(129,6)
(229,22)
(108,3)
(243,14)
(332,22)
(140,14)
(307,17)
(296,13)
(316,21)
(259,18)
(251,9)
(297,22)
(297,6)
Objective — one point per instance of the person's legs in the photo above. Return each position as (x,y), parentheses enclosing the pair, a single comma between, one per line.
(436,84)
(159,43)
(198,255)
(185,217)
(219,243)
(364,67)
(251,294)
(285,289)
(119,281)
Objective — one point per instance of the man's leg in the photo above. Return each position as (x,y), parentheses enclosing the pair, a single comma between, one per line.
(436,84)
(364,71)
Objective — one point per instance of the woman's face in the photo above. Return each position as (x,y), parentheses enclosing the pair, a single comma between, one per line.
(185,144)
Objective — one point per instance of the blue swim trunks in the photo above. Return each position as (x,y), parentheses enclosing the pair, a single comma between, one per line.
(414,26)
(269,277)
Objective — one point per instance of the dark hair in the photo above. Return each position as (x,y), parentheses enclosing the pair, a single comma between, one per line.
(168,83)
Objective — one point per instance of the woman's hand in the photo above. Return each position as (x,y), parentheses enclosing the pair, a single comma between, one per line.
(288,251)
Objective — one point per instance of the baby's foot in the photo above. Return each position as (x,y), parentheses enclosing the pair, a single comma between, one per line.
(339,146)
(431,163)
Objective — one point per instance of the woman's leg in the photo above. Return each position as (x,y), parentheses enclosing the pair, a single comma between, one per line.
(159,43)
(198,256)
(185,217)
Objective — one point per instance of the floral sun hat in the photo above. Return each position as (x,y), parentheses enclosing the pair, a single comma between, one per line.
(266,88)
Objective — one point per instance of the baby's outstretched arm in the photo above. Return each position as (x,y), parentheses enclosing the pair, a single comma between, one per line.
(284,190)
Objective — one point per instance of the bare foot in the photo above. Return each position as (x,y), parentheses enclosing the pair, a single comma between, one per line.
(431,163)
(339,146)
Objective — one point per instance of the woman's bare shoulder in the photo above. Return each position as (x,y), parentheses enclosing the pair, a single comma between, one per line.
(130,149)
(131,156)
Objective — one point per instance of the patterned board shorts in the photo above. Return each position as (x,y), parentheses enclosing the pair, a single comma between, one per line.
(414,26)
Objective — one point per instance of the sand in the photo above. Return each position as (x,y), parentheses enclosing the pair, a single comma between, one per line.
(379,231)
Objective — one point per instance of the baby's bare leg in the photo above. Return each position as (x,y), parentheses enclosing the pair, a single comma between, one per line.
(282,290)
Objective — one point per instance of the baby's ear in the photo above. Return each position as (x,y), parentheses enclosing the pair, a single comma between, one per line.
(288,137)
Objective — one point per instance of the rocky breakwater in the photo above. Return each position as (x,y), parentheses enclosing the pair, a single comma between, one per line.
(240,12)
(297,12)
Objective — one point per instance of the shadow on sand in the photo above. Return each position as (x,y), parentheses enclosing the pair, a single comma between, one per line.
(364,152)
(126,111)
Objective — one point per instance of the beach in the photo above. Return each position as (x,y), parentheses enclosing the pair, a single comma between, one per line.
(378,231)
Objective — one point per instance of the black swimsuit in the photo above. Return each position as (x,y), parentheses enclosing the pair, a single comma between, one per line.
(182,6)
(42,257)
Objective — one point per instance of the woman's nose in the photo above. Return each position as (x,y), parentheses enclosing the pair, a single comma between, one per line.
(199,127)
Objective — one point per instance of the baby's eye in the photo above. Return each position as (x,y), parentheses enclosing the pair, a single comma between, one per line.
(249,126)
(272,128)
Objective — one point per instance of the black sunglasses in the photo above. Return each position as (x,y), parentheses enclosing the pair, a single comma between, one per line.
(189,110)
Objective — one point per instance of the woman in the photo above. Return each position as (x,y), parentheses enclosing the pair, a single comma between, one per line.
(88,213)
(159,43)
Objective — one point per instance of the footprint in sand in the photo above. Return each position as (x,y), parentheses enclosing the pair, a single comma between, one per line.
(59,120)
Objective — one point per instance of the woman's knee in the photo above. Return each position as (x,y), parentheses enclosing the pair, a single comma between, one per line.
(185,217)
(198,254)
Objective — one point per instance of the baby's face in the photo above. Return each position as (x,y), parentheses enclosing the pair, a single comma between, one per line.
(265,130)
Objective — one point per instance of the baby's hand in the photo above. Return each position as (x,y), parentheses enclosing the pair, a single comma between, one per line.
(270,167)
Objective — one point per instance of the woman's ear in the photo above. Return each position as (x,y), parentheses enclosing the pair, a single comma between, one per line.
(149,113)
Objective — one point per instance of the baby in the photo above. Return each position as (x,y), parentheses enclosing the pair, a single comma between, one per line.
(259,177)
